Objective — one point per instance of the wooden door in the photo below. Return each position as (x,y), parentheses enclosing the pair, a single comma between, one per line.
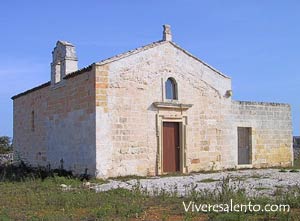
(244,145)
(171,147)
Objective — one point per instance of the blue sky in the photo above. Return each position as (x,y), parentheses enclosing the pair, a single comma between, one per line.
(256,43)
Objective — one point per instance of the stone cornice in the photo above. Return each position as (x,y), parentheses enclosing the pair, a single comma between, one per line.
(172,105)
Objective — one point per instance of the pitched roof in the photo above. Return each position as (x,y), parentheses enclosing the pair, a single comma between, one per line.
(205,64)
(131,52)
(32,89)
(118,57)
(152,45)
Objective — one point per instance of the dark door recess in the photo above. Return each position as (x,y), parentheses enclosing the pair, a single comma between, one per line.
(244,145)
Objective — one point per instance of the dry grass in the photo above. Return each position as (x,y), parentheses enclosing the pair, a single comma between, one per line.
(37,195)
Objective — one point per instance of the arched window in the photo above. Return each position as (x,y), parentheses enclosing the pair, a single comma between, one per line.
(171,89)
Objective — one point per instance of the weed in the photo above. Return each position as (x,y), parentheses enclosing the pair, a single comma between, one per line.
(261,188)
(255,176)
(127,178)
(283,170)
(208,180)
(35,194)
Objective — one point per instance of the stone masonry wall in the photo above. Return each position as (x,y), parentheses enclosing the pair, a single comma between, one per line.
(271,125)
(103,119)
(64,124)
(127,136)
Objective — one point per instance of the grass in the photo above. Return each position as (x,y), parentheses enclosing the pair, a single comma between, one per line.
(43,199)
(255,176)
(127,178)
(208,180)
(35,194)
(238,178)
(283,170)
(261,188)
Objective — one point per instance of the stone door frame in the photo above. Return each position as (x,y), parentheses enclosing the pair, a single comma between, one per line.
(171,112)
(182,120)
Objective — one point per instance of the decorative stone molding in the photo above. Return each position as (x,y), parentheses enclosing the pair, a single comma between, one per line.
(172,105)
(183,123)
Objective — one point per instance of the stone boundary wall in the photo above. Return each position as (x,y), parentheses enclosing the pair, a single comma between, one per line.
(296,142)
(296,153)
(272,134)
(6,158)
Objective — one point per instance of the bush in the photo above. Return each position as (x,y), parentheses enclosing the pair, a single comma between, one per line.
(5,144)
(22,172)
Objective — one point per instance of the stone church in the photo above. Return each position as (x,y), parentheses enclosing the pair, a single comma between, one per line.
(153,110)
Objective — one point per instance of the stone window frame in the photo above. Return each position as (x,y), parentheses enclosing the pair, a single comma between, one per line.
(164,95)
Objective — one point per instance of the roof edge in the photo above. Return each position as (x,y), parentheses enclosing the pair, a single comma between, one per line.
(71,75)
(80,71)
(152,45)
(118,57)
(198,59)
(130,52)
(31,90)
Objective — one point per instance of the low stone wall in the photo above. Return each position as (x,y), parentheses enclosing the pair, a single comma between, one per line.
(296,153)
(271,129)
(296,142)
(6,158)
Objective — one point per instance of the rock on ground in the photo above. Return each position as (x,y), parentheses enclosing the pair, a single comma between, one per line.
(254,181)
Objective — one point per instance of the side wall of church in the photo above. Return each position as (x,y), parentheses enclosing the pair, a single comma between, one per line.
(55,125)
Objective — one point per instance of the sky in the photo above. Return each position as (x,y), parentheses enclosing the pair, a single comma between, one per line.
(256,43)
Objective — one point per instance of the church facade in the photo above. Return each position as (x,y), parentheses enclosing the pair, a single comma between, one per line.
(153,110)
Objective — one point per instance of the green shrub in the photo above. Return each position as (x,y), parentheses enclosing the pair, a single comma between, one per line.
(5,144)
